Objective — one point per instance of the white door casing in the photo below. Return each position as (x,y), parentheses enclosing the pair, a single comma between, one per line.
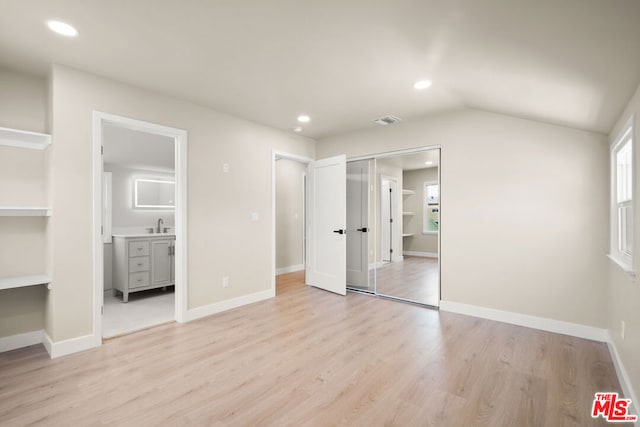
(326,224)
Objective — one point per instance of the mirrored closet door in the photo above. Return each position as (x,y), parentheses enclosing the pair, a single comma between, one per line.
(401,247)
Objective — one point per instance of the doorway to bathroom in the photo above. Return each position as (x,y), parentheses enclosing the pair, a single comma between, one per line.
(141,226)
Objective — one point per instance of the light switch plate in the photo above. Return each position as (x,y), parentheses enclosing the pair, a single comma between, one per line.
(255,217)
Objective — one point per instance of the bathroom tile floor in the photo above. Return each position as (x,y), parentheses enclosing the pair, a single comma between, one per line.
(144,309)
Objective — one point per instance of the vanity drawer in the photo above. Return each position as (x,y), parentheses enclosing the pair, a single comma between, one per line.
(140,248)
(137,280)
(138,264)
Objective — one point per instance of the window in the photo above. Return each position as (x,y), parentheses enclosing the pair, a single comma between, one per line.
(431,208)
(622,198)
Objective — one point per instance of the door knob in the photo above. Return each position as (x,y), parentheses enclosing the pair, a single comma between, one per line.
(363,229)
(340,231)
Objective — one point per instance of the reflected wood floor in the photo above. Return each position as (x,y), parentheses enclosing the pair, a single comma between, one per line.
(309,357)
(414,279)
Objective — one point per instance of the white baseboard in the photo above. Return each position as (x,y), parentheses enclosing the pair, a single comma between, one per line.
(623,377)
(289,269)
(422,254)
(208,310)
(20,340)
(551,325)
(62,348)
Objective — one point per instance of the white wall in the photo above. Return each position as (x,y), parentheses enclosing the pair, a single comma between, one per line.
(524,210)
(419,242)
(222,239)
(289,213)
(624,293)
(23,174)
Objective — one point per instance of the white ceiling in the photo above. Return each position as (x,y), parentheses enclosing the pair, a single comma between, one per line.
(570,62)
(138,150)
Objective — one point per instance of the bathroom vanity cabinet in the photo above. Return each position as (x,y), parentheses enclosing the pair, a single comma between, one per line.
(142,262)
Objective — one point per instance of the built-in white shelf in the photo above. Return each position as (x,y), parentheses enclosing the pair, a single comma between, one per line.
(24,139)
(22,281)
(406,192)
(407,235)
(24,211)
(408,213)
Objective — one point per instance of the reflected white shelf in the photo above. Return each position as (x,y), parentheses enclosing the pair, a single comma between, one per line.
(408,213)
(24,139)
(407,235)
(406,192)
(24,211)
(22,281)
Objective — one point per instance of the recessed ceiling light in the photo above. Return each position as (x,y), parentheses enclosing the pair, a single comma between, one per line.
(303,118)
(297,129)
(428,163)
(62,28)
(422,84)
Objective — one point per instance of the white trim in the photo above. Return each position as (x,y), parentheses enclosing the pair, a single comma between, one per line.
(625,261)
(180,136)
(631,273)
(396,153)
(275,155)
(289,269)
(208,310)
(63,348)
(20,340)
(623,377)
(551,325)
(422,254)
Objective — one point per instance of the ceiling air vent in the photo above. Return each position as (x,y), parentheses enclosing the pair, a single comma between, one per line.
(386,120)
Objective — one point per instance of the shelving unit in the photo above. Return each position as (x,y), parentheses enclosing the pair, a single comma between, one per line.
(33,141)
(24,211)
(24,139)
(406,192)
(22,281)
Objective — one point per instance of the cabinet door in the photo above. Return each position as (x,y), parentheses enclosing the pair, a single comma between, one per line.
(160,262)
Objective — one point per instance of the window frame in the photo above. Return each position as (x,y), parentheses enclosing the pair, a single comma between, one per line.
(623,259)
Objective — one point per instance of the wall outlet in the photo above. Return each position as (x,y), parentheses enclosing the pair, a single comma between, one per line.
(255,217)
(225,282)
(225,167)
(623,329)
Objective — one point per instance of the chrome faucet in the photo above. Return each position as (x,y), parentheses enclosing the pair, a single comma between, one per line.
(160,225)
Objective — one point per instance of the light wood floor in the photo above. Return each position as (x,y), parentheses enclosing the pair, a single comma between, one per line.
(413,279)
(309,357)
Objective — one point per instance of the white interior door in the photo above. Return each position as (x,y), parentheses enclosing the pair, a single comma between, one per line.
(358,224)
(326,224)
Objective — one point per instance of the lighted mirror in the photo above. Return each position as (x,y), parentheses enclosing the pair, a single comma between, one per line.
(154,194)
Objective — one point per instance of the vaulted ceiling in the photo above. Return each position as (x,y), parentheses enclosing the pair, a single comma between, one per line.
(344,63)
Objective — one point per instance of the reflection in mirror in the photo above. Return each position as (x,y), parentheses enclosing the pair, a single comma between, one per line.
(359,233)
(154,194)
(408,221)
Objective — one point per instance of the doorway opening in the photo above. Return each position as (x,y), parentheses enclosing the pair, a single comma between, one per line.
(289,219)
(140,225)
